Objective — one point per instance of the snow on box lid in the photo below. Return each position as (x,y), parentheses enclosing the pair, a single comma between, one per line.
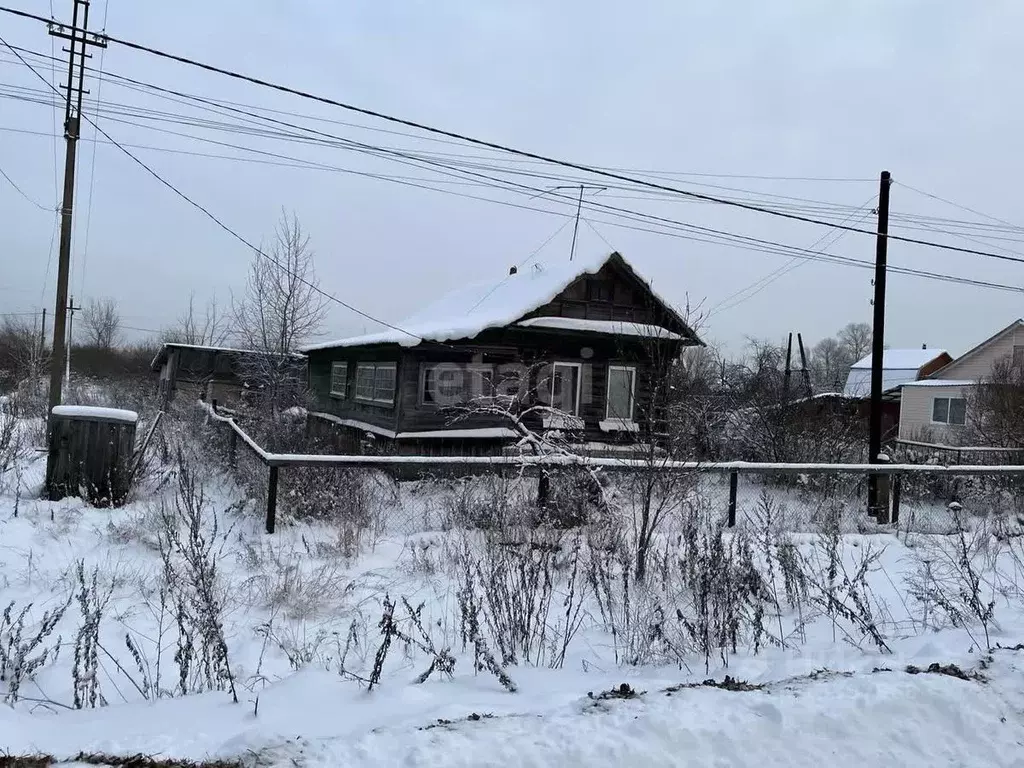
(93,412)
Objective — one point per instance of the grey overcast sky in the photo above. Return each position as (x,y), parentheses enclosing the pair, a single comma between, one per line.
(926,89)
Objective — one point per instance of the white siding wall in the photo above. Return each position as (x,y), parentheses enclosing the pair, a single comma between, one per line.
(916,414)
(979,364)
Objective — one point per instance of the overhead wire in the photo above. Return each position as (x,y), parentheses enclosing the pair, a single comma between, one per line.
(225,227)
(416,125)
(759,285)
(92,165)
(22,192)
(579,167)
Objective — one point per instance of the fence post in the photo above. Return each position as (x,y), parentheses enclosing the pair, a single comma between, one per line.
(272,499)
(734,481)
(883,493)
(543,485)
(897,482)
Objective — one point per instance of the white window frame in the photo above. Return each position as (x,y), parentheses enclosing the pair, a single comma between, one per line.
(374,367)
(339,365)
(468,369)
(949,408)
(613,422)
(562,419)
(579,384)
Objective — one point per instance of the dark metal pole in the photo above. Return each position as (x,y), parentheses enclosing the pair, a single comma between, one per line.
(803,365)
(734,481)
(576,228)
(897,492)
(878,341)
(788,374)
(272,500)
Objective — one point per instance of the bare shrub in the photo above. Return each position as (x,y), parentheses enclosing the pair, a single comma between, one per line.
(842,594)
(285,580)
(22,648)
(92,602)
(492,501)
(518,578)
(11,448)
(948,580)
(188,551)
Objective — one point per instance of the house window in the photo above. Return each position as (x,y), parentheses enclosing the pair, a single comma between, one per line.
(600,290)
(949,410)
(339,379)
(565,388)
(451,383)
(375,382)
(1018,355)
(621,393)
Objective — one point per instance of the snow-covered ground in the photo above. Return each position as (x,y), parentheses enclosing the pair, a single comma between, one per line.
(810,682)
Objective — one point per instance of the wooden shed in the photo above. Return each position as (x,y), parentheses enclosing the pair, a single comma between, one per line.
(90,453)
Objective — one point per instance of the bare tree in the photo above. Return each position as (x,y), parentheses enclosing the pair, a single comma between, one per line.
(101,323)
(830,365)
(995,408)
(281,308)
(23,357)
(855,341)
(210,329)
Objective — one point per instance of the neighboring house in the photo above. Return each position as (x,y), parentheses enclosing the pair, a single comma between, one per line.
(586,339)
(205,372)
(899,367)
(937,410)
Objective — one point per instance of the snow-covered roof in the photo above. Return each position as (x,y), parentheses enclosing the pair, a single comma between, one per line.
(467,311)
(942,383)
(899,367)
(168,345)
(92,412)
(902,359)
(614,327)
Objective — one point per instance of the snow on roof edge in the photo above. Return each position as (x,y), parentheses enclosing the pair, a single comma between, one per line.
(454,323)
(902,359)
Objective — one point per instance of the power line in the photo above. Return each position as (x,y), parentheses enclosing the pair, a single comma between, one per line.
(21,192)
(767,246)
(512,150)
(221,224)
(92,165)
(789,266)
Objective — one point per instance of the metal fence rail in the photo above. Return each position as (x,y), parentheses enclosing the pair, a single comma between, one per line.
(894,475)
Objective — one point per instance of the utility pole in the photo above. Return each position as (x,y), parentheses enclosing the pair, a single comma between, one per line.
(79,39)
(42,335)
(877,500)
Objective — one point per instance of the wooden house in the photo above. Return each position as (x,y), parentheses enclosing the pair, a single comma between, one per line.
(589,343)
(207,372)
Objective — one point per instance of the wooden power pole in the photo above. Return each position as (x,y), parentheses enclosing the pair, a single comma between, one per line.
(79,39)
(878,502)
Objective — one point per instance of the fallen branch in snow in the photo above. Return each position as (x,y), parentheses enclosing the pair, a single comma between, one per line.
(111,761)
(950,670)
(442,723)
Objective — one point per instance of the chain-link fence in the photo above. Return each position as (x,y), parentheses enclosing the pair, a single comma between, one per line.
(567,489)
